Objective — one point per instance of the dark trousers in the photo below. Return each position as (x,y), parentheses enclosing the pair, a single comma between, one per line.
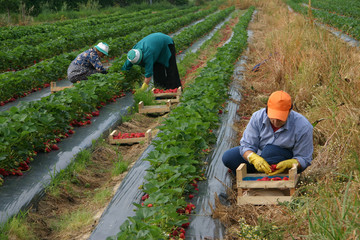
(82,76)
(271,153)
(167,77)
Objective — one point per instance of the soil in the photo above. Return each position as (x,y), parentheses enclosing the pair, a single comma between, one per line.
(78,194)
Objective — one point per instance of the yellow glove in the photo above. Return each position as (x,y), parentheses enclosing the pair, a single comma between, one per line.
(281,166)
(144,87)
(259,163)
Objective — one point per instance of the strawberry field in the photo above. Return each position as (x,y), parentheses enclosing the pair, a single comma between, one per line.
(62,177)
(343,15)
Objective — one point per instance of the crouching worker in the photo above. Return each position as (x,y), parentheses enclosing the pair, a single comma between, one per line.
(156,52)
(88,63)
(274,135)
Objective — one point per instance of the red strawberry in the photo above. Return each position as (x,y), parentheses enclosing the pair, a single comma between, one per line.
(273,167)
(149,205)
(95,113)
(185,225)
(47,150)
(180,211)
(54,147)
(191,196)
(182,236)
(146,196)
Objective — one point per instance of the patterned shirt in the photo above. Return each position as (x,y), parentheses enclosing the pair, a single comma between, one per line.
(296,135)
(89,59)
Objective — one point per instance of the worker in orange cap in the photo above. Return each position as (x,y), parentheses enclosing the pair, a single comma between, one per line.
(274,135)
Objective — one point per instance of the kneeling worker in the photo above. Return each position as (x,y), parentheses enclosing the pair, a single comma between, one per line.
(88,63)
(156,52)
(278,134)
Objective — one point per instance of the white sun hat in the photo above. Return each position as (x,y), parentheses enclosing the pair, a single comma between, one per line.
(134,56)
(103,47)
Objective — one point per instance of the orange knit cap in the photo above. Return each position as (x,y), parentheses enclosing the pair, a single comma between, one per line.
(278,105)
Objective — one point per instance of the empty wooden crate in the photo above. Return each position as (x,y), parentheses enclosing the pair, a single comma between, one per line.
(155,108)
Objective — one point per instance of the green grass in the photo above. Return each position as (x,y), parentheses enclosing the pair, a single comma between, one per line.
(101,197)
(82,160)
(72,220)
(119,167)
(335,213)
(17,228)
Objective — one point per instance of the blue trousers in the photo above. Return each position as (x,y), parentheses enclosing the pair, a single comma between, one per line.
(271,153)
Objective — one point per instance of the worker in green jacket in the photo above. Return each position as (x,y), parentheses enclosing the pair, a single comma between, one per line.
(156,52)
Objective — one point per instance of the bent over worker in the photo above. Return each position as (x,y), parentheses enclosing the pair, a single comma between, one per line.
(88,63)
(156,52)
(274,135)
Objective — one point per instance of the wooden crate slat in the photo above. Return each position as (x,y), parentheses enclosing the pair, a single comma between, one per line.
(267,184)
(54,88)
(262,200)
(172,100)
(155,108)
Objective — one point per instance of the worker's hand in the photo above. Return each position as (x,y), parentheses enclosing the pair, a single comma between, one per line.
(259,163)
(283,165)
(144,87)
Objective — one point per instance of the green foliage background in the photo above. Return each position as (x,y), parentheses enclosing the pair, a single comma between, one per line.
(34,7)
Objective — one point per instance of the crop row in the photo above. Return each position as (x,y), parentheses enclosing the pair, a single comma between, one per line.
(17,32)
(35,125)
(53,31)
(17,84)
(349,8)
(348,25)
(176,161)
(74,37)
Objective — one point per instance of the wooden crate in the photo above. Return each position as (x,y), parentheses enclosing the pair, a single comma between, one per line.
(154,108)
(146,139)
(264,192)
(54,88)
(173,97)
